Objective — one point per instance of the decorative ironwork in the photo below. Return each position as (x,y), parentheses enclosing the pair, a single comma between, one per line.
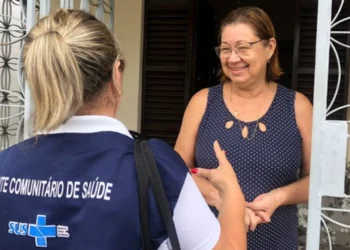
(12,33)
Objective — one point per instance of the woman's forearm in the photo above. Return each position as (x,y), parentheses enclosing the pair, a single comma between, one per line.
(232,222)
(294,193)
(209,192)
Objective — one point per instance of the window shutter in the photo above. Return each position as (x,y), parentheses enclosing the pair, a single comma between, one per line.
(166,70)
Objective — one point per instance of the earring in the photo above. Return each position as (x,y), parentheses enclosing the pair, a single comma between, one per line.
(119,92)
(268,60)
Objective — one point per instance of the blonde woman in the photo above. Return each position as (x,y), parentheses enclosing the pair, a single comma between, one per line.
(73,186)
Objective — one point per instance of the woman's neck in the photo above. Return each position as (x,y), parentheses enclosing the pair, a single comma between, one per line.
(250,91)
(106,110)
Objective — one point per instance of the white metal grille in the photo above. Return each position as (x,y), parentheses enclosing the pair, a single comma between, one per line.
(330,138)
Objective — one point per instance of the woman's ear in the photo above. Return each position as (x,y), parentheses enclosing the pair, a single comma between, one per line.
(271,48)
(117,78)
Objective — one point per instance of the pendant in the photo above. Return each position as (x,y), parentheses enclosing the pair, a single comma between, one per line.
(245,132)
(229,124)
(262,127)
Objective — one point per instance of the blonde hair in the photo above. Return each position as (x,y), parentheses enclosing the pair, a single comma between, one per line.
(68,57)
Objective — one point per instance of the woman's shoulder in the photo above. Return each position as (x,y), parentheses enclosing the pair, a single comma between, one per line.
(201,97)
(303,110)
(203,94)
(199,100)
(302,107)
(301,101)
(297,96)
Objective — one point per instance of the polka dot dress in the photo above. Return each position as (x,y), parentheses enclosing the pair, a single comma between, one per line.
(269,160)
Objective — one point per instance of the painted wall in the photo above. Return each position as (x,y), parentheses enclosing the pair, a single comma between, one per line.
(128,25)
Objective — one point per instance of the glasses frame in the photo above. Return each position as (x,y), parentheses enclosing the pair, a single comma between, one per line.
(218,48)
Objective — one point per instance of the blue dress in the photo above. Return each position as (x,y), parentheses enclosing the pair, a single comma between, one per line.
(268,161)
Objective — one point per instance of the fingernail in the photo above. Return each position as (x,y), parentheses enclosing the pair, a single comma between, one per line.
(194,171)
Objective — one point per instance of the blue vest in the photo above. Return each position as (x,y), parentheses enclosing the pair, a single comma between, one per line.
(79,191)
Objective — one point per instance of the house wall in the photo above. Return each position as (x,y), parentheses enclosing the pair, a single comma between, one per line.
(128,24)
(128,27)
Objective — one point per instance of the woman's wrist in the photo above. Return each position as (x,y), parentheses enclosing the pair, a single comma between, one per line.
(233,192)
(280,196)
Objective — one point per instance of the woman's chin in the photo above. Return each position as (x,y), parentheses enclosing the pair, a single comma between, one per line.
(241,79)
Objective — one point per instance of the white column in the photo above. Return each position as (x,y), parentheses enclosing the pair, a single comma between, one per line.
(28,106)
(66,4)
(320,106)
(44,8)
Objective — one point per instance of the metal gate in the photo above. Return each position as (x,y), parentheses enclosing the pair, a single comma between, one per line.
(329,138)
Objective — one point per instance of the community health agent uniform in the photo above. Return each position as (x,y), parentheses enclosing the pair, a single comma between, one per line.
(76,189)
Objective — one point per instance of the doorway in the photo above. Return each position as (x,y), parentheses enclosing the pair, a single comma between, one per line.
(179,57)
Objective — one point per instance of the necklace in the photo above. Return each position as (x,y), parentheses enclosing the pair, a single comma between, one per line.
(244,129)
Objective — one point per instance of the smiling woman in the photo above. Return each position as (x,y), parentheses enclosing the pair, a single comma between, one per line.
(264,128)
(255,25)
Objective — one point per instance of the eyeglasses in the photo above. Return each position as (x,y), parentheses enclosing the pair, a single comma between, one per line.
(241,49)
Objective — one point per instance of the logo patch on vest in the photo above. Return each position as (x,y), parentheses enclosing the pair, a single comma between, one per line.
(40,231)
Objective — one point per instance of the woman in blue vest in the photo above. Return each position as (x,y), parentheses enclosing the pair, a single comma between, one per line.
(73,186)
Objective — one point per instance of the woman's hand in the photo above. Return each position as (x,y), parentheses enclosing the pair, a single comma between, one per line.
(252,220)
(265,205)
(223,178)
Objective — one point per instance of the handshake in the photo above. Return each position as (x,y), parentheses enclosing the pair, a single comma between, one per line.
(257,212)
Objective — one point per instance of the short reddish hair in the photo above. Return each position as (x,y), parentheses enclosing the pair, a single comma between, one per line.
(262,25)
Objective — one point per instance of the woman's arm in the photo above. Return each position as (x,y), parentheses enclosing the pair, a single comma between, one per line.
(298,192)
(185,144)
(232,215)
(233,227)
(295,193)
(196,226)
